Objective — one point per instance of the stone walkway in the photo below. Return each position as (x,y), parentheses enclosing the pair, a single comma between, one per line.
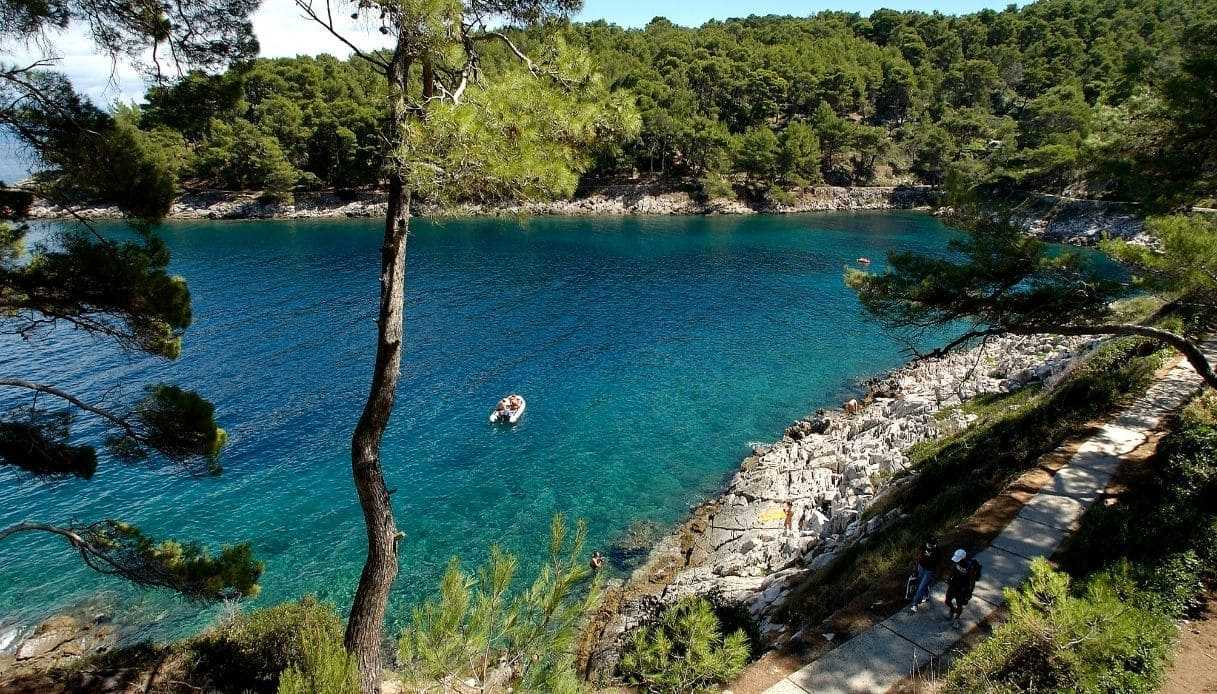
(877,659)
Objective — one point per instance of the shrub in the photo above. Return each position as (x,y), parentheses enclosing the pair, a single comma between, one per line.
(476,627)
(1104,638)
(1168,527)
(715,185)
(685,651)
(776,195)
(1201,412)
(1188,460)
(250,650)
(325,667)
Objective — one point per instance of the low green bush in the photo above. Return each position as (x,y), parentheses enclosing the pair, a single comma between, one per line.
(685,651)
(325,667)
(715,185)
(1103,637)
(249,651)
(777,195)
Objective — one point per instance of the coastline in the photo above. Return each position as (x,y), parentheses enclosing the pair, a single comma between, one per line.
(739,550)
(733,546)
(1050,217)
(643,198)
(1076,221)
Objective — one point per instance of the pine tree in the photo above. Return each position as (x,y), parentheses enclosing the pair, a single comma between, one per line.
(120,290)
(458,127)
(685,651)
(477,627)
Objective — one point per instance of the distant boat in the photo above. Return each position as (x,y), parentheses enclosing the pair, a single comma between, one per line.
(508,414)
(864,261)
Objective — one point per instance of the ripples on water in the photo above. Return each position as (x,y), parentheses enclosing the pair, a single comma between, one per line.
(651,351)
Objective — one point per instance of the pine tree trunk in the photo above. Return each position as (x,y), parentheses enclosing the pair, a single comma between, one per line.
(366,623)
(1190,350)
(365,626)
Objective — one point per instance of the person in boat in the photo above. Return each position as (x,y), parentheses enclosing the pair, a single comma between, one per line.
(509,405)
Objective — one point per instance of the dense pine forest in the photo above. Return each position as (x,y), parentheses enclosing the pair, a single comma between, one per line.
(1110,99)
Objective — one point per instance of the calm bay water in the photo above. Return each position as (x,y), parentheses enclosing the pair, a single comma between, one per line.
(651,352)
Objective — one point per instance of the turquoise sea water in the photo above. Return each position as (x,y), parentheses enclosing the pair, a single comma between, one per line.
(15,163)
(651,352)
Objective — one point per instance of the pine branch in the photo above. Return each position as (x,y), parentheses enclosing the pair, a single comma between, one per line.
(328,24)
(115,419)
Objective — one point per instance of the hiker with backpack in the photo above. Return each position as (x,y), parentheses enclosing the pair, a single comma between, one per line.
(962,576)
(925,570)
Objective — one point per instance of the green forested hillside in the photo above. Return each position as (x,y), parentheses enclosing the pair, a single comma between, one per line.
(1110,98)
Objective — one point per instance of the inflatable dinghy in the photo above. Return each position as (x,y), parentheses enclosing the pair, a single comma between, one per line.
(509,416)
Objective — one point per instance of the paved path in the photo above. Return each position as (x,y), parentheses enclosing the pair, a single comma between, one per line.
(878,658)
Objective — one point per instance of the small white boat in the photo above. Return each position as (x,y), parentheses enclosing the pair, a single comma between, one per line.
(510,415)
(864,261)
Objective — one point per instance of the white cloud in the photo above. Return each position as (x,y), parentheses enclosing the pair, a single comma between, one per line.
(281,28)
(93,75)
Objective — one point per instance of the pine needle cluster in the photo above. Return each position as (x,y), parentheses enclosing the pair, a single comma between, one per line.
(685,651)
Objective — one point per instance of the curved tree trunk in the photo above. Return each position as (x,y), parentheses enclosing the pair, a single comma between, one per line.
(74,538)
(1190,350)
(365,625)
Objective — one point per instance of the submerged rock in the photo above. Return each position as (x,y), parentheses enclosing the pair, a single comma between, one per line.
(65,636)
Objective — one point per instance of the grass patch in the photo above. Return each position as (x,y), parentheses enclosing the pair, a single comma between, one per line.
(990,406)
(955,475)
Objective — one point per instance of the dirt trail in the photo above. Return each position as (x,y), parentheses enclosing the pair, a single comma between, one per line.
(1194,670)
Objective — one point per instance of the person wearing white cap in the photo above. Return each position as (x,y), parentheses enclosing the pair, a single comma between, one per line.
(963,574)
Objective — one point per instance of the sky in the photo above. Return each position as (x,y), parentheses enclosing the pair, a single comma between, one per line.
(282,31)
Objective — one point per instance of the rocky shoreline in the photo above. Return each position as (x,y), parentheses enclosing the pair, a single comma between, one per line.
(1076,221)
(608,200)
(86,629)
(1050,217)
(797,503)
